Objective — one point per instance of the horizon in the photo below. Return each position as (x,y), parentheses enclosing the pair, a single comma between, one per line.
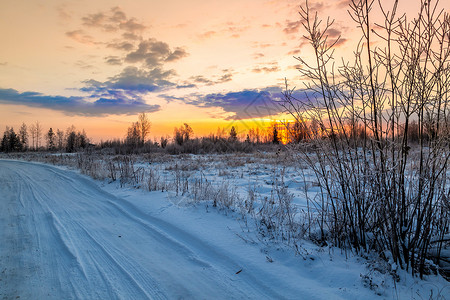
(206,63)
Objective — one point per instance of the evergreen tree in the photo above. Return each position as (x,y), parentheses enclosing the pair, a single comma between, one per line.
(5,141)
(10,141)
(14,141)
(51,139)
(275,139)
(71,142)
(247,140)
(233,134)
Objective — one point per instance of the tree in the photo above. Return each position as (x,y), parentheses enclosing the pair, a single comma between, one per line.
(59,139)
(254,135)
(182,134)
(33,136)
(275,138)
(23,135)
(144,126)
(10,141)
(220,133)
(51,139)
(74,140)
(71,142)
(4,146)
(247,139)
(376,193)
(178,136)
(233,134)
(82,140)
(38,134)
(163,142)
(187,132)
(134,135)
(298,132)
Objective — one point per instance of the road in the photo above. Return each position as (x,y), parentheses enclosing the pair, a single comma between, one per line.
(63,237)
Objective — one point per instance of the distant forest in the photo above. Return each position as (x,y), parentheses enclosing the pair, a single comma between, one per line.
(34,138)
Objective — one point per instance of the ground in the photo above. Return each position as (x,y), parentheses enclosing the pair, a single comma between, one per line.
(67,236)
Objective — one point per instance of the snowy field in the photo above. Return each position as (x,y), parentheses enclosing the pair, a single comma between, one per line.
(175,227)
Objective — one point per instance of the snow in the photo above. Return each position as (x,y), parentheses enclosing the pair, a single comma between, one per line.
(66,236)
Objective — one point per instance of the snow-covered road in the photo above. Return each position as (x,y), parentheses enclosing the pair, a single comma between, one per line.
(63,237)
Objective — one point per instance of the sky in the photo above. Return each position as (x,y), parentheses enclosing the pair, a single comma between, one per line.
(98,64)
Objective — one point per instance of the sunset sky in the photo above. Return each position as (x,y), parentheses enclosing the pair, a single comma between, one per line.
(98,64)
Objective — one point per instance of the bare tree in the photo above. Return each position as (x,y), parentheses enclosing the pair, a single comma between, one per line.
(134,136)
(38,134)
(60,139)
(23,135)
(144,126)
(183,134)
(379,191)
(33,136)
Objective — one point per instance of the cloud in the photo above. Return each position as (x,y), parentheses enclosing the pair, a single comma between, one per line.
(150,54)
(154,53)
(169,98)
(94,20)
(340,42)
(296,67)
(201,79)
(121,104)
(63,13)
(235,29)
(81,37)
(121,45)
(110,21)
(207,34)
(113,60)
(261,45)
(132,81)
(177,54)
(83,65)
(230,29)
(333,32)
(292,27)
(294,52)
(336,34)
(131,36)
(343,3)
(246,104)
(316,6)
(113,20)
(267,68)
(131,25)
(186,85)
(258,55)
(225,77)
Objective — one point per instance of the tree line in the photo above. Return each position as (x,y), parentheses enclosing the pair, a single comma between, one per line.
(33,138)
(184,140)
